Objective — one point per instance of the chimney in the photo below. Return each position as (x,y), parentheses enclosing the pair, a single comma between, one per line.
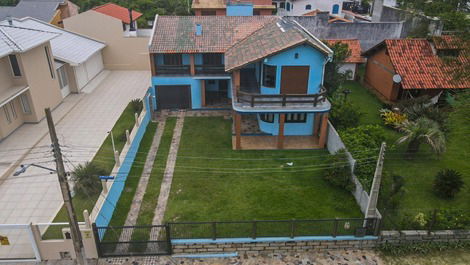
(131,24)
(377,9)
(198,29)
(10,20)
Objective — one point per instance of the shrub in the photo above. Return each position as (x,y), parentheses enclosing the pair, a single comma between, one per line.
(137,105)
(392,119)
(339,172)
(391,191)
(343,114)
(447,183)
(86,177)
(364,143)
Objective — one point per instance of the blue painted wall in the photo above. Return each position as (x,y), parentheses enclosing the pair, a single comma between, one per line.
(107,210)
(305,128)
(240,10)
(308,56)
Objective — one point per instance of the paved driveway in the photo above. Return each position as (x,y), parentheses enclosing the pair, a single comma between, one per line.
(81,120)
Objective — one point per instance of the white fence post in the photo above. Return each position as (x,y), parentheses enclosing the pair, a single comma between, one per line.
(34,243)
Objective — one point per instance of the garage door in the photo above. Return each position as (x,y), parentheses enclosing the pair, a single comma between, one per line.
(173,97)
(88,70)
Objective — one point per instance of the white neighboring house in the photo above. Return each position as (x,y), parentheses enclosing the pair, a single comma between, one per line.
(77,58)
(351,64)
(301,7)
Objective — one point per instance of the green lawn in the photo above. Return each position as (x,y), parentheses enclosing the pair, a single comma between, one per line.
(124,204)
(149,203)
(419,172)
(82,201)
(212,182)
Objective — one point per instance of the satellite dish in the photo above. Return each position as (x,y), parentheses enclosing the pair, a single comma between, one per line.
(397,78)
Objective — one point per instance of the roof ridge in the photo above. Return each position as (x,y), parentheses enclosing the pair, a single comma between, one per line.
(11,40)
(40,30)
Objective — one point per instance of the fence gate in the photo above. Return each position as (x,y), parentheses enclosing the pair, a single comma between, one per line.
(114,241)
(17,244)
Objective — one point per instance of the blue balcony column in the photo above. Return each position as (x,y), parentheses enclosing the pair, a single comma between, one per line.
(280,135)
(323,130)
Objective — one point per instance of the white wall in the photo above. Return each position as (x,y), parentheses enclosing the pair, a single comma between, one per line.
(348,67)
(299,6)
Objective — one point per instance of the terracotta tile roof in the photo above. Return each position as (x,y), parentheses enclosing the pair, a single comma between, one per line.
(176,34)
(118,12)
(419,67)
(334,19)
(355,48)
(447,42)
(274,37)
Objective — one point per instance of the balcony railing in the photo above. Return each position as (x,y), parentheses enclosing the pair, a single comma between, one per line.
(282,99)
(206,69)
(172,69)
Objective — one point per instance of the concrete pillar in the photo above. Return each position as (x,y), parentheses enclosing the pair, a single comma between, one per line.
(116,158)
(203,93)
(86,217)
(377,9)
(323,130)
(192,67)
(316,124)
(104,185)
(152,64)
(238,122)
(136,119)
(128,137)
(280,136)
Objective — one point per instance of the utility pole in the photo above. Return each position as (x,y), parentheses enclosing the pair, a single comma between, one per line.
(371,210)
(64,187)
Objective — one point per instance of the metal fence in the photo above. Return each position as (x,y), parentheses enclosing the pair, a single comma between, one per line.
(358,227)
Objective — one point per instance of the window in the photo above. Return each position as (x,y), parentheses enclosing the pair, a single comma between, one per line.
(335,9)
(208,13)
(63,80)
(288,6)
(269,75)
(212,58)
(13,110)
(296,117)
(15,66)
(7,114)
(282,5)
(172,59)
(267,117)
(25,104)
(308,7)
(256,12)
(49,62)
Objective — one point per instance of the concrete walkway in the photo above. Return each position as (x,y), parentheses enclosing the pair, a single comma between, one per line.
(168,176)
(133,214)
(82,122)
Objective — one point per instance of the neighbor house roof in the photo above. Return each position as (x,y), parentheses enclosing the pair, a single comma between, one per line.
(208,4)
(272,38)
(67,46)
(41,9)
(355,49)
(118,12)
(176,34)
(419,66)
(15,39)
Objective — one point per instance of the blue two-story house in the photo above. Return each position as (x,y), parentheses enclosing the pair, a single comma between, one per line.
(267,70)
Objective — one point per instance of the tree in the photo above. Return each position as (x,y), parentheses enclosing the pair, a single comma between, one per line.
(333,78)
(86,178)
(447,183)
(423,130)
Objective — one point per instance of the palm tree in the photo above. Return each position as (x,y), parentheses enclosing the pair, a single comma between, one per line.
(423,130)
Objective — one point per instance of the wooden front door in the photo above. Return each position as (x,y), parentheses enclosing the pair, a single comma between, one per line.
(294,79)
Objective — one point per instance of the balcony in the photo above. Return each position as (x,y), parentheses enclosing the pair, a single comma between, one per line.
(172,70)
(255,102)
(206,69)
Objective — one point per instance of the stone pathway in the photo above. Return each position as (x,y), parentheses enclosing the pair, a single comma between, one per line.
(133,214)
(168,175)
(339,257)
